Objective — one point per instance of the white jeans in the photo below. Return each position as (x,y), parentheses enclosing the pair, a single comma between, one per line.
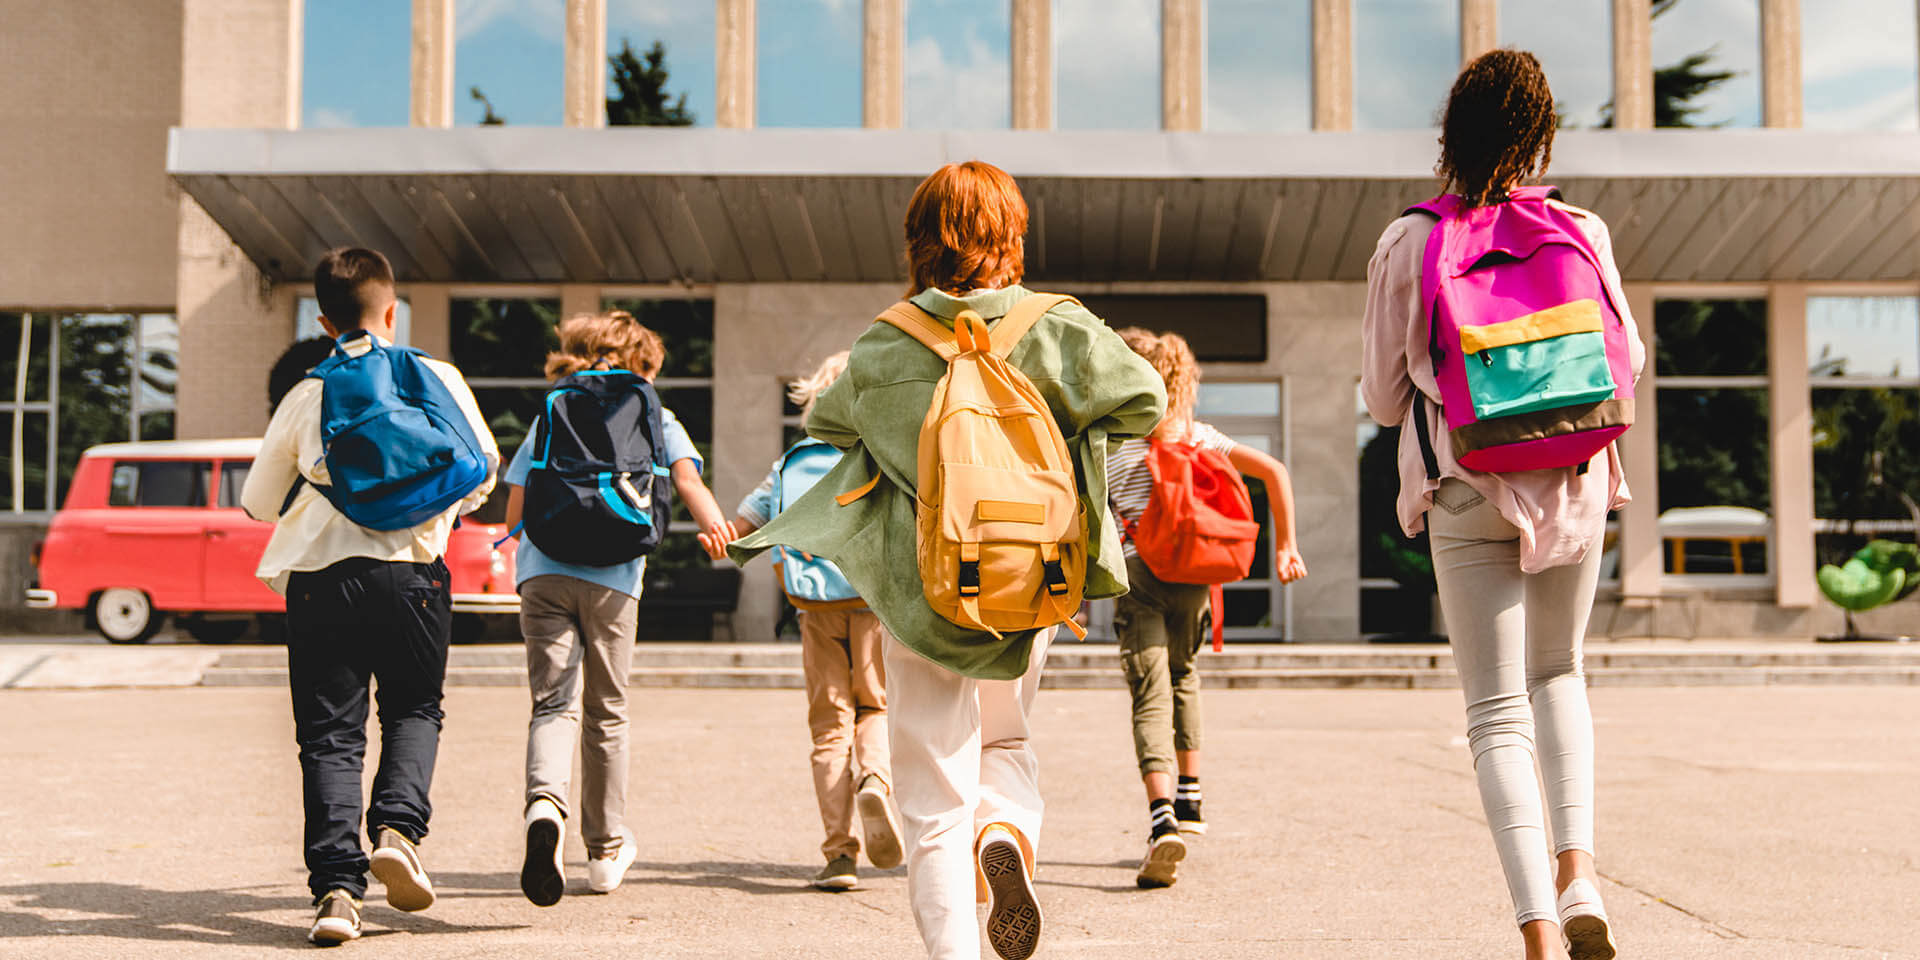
(961,761)
(1516,644)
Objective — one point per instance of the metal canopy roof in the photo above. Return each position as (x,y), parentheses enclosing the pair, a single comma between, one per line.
(640,205)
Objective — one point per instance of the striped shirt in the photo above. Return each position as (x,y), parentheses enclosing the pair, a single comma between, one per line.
(1130,483)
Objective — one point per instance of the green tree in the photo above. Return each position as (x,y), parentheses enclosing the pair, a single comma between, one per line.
(1677,85)
(639,97)
(491,119)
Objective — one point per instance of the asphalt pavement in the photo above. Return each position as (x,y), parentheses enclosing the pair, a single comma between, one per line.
(1735,822)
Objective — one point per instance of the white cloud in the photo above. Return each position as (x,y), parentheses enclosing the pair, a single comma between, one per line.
(968,88)
(546,18)
(1106,63)
(1730,31)
(323,118)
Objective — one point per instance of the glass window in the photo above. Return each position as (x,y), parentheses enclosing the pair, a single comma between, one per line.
(509,62)
(160,483)
(685,386)
(356,63)
(809,71)
(1859,65)
(1572,38)
(501,346)
(1706,61)
(959,64)
(1259,65)
(306,320)
(125,485)
(1863,338)
(233,479)
(685,35)
(1237,399)
(1106,64)
(1218,326)
(1405,55)
(1715,437)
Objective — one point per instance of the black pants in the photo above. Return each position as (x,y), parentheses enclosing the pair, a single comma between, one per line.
(355,621)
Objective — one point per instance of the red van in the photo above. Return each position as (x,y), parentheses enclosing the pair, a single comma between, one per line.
(152,529)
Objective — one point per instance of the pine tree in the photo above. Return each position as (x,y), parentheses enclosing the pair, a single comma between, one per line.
(639,97)
(1677,85)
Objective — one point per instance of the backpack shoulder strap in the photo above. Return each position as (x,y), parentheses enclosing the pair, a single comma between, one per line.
(1006,334)
(921,326)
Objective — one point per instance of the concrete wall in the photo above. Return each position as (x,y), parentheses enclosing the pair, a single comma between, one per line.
(91,88)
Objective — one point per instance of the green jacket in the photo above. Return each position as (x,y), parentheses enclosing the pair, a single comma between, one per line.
(1097,388)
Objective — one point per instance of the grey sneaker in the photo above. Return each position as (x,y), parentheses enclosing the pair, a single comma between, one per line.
(838,874)
(875,804)
(396,865)
(336,921)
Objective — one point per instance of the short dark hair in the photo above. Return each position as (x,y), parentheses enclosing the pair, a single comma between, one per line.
(352,284)
(292,368)
(1498,126)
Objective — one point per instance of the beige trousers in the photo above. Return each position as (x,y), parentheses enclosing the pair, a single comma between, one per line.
(961,761)
(1516,645)
(579,639)
(841,657)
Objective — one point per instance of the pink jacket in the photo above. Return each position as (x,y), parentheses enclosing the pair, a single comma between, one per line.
(1560,514)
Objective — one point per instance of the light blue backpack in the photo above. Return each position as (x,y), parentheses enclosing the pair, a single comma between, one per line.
(814,584)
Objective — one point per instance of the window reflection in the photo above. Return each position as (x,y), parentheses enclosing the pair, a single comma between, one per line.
(1106,62)
(1570,38)
(1863,337)
(1857,77)
(808,73)
(959,64)
(1715,44)
(1259,65)
(1237,400)
(513,55)
(354,66)
(685,32)
(1405,55)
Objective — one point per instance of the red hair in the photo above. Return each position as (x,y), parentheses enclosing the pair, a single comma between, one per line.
(966,230)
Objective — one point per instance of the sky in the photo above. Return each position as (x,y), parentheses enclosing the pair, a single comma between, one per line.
(1106,60)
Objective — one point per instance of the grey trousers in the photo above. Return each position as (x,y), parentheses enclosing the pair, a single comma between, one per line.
(1516,644)
(579,639)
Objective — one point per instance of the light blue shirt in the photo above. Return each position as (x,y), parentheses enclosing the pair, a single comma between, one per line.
(626,578)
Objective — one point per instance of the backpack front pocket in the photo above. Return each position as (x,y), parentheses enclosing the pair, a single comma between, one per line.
(1554,358)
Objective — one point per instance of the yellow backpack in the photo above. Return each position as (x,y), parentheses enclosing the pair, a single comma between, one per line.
(1002,537)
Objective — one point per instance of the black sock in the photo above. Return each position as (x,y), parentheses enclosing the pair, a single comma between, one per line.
(1189,788)
(1161,813)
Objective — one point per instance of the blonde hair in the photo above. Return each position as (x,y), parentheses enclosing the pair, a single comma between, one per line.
(1173,360)
(613,340)
(806,389)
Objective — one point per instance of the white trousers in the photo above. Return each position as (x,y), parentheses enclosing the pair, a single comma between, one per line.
(1516,644)
(961,760)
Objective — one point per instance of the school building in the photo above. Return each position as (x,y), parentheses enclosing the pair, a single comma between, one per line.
(166,206)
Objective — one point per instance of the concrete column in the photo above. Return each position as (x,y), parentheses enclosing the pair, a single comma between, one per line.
(1333,64)
(1479,28)
(1032,64)
(1183,64)
(432,327)
(579,298)
(733,63)
(432,77)
(1632,65)
(1791,416)
(1641,560)
(586,64)
(883,78)
(237,70)
(1780,90)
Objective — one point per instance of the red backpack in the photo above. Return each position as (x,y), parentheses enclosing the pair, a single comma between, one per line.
(1199,526)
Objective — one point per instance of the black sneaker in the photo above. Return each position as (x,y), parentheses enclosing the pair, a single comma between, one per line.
(396,865)
(336,921)
(1187,813)
(1013,912)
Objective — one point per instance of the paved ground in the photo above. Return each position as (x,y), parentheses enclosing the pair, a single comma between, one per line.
(1734,823)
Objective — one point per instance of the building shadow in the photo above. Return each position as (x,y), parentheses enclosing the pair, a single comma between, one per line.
(128,912)
(746,877)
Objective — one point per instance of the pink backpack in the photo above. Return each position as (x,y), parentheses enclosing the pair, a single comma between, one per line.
(1527,343)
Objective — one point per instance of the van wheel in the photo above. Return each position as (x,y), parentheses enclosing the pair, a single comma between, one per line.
(124,615)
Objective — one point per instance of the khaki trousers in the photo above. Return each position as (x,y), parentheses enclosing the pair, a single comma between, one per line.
(963,761)
(841,657)
(1516,645)
(1160,626)
(579,639)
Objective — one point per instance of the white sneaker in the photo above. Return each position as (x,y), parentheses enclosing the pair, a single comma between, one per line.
(542,876)
(605,873)
(1583,922)
(876,823)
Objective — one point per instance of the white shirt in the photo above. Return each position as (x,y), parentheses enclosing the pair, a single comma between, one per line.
(312,535)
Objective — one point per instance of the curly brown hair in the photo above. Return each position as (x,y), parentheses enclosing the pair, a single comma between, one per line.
(610,340)
(1498,127)
(1173,360)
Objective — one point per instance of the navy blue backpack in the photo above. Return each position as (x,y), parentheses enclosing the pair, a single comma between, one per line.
(598,493)
(398,447)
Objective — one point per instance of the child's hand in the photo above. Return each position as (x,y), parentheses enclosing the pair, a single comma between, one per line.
(1288,564)
(716,537)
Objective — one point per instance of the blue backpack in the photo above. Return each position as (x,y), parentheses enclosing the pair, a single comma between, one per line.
(810,584)
(398,447)
(598,493)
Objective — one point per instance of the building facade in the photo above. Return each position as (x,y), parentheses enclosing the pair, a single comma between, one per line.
(1779,267)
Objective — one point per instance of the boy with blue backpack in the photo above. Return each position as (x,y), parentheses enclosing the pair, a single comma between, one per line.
(591,493)
(841,646)
(364,468)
